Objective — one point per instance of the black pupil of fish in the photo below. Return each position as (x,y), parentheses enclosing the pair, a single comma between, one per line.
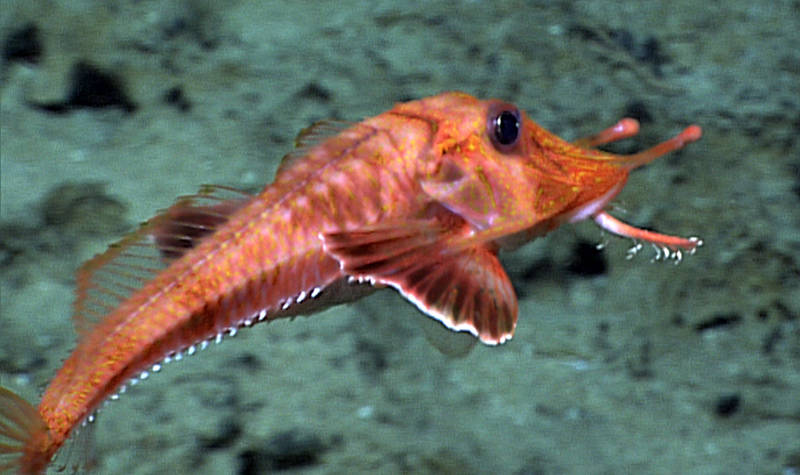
(506,128)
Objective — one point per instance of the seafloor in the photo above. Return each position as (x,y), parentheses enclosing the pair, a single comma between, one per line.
(617,366)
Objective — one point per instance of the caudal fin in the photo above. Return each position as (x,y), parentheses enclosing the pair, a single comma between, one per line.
(20,428)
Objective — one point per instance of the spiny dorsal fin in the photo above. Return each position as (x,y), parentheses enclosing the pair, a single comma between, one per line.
(107,279)
(310,137)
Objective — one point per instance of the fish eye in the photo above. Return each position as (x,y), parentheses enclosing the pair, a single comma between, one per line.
(504,125)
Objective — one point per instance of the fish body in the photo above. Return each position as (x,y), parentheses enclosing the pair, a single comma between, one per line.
(420,198)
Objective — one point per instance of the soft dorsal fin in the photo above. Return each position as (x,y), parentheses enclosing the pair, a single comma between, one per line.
(310,137)
(107,279)
(193,217)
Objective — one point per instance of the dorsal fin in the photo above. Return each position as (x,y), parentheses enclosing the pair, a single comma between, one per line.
(109,278)
(310,137)
(193,217)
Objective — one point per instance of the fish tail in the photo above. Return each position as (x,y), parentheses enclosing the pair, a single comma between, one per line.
(25,442)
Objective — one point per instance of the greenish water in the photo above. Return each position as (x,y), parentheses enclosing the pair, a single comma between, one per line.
(642,368)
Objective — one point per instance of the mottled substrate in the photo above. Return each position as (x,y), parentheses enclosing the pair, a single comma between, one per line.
(617,366)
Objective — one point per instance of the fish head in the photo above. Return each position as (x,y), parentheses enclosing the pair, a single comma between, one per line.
(491,164)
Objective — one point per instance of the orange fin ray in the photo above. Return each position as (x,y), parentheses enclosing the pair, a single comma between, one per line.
(182,226)
(465,291)
(667,247)
(109,278)
(386,248)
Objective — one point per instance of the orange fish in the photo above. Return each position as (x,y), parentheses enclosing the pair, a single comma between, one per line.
(420,198)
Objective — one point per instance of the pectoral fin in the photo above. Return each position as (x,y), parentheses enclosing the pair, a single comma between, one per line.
(466,290)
